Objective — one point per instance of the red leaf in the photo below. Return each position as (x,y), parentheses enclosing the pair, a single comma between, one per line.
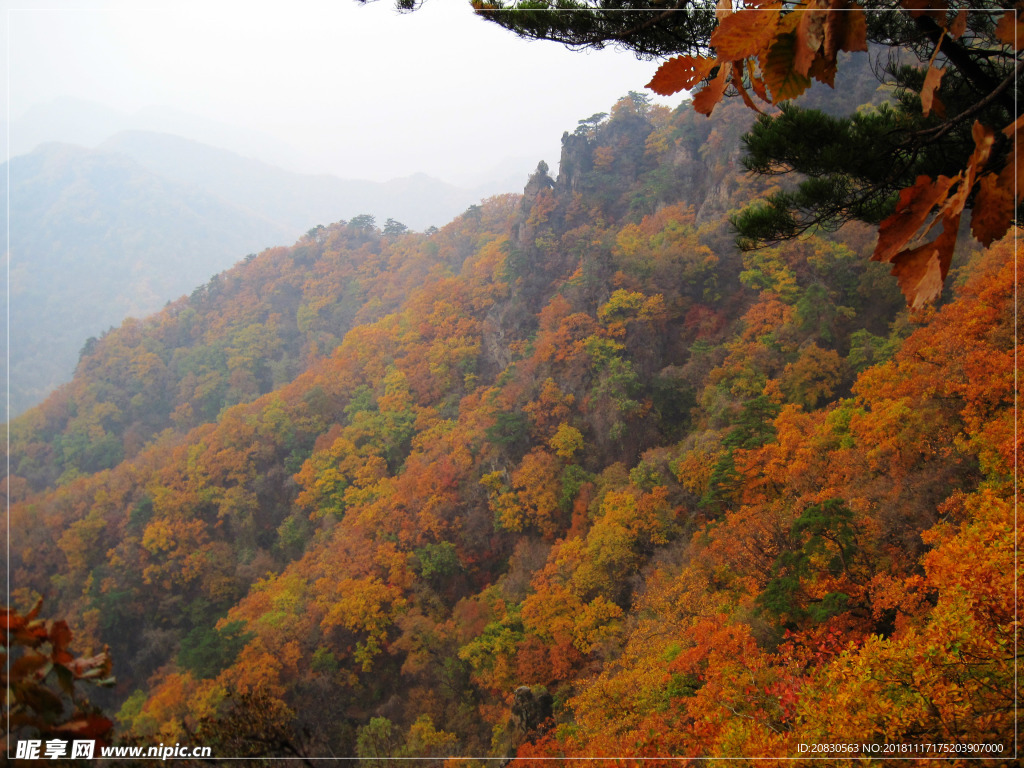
(88,727)
(11,621)
(60,635)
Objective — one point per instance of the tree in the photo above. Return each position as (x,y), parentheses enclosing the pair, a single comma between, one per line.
(392,227)
(946,144)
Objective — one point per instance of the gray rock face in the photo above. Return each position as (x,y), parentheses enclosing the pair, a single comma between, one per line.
(530,708)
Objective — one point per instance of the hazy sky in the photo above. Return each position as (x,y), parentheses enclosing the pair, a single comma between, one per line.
(366,91)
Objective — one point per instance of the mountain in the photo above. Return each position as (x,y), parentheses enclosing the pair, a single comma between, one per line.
(96,237)
(296,201)
(69,120)
(571,476)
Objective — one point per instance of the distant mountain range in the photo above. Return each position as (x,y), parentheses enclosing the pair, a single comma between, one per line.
(295,201)
(97,235)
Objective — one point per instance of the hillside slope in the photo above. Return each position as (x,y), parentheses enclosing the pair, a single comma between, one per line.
(571,476)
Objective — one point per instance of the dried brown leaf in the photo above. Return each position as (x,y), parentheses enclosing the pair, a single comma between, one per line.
(1010,30)
(810,35)
(931,83)
(846,29)
(992,212)
(915,205)
(921,271)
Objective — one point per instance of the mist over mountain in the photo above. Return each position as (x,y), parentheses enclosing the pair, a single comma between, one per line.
(98,235)
(294,200)
(87,123)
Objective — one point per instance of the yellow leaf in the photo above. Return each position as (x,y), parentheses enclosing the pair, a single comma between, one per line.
(779,68)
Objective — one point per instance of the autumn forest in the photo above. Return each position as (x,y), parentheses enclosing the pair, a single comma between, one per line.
(577,474)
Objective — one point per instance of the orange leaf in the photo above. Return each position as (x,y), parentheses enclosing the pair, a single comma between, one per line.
(993,209)
(681,73)
(712,93)
(705,101)
(984,138)
(959,25)
(737,81)
(1010,30)
(1013,128)
(744,34)
(1012,176)
(824,71)
(912,210)
(931,84)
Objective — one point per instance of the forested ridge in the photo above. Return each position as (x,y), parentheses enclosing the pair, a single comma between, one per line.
(571,476)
